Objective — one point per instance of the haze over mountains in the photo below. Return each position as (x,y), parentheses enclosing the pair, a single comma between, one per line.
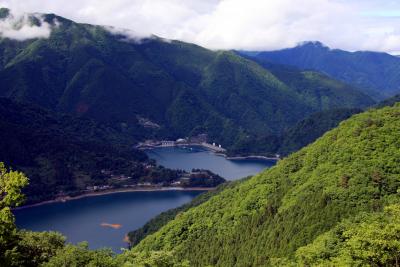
(375,73)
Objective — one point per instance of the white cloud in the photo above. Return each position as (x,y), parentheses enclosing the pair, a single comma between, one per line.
(20,27)
(238,24)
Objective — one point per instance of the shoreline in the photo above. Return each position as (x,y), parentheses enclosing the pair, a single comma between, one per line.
(247,157)
(151,188)
(217,153)
(114,191)
(206,146)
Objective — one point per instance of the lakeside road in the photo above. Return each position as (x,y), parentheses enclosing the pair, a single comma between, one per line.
(247,157)
(114,191)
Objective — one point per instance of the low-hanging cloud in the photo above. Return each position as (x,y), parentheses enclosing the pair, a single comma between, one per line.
(22,27)
(238,24)
(127,34)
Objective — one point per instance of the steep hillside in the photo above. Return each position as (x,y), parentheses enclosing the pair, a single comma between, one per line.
(303,133)
(351,170)
(163,218)
(91,71)
(296,137)
(375,73)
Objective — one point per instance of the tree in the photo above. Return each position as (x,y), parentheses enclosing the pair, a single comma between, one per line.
(11,183)
(81,255)
(371,239)
(36,248)
(150,259)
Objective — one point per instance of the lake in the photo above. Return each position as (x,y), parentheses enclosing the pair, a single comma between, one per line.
(81,219)
(196,157)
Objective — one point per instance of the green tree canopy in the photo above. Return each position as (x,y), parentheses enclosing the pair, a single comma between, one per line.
(11,183)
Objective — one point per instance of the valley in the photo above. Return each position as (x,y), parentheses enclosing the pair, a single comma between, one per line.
(145,202)
(123,148)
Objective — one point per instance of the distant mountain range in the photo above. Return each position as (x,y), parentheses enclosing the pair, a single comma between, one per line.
(89,71)
(377,74)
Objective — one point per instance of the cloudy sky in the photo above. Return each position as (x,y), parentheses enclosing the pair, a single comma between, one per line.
(241,24)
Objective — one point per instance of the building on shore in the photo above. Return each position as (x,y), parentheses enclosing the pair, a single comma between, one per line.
(166,143)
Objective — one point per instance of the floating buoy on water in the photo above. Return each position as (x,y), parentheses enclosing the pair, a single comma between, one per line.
(111,225)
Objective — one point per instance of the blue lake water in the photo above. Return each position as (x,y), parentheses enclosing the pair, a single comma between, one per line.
(194,157)
(81,219)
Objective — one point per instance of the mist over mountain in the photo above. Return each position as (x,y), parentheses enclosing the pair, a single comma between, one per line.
(24,26)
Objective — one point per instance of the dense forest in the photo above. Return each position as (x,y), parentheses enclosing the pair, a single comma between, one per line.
(163,218)
(333,203)
(302,134)
(286,213)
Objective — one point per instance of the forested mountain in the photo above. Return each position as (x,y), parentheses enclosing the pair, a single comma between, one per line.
(311,128)
(303,133)
(333,203)
(320,206)
(377,74)
(300,135)
(185,89)
(62,154)
(297,136)
(163,218)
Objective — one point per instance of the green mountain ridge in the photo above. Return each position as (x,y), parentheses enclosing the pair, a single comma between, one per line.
(186,89)
(351,170)
(375,73)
